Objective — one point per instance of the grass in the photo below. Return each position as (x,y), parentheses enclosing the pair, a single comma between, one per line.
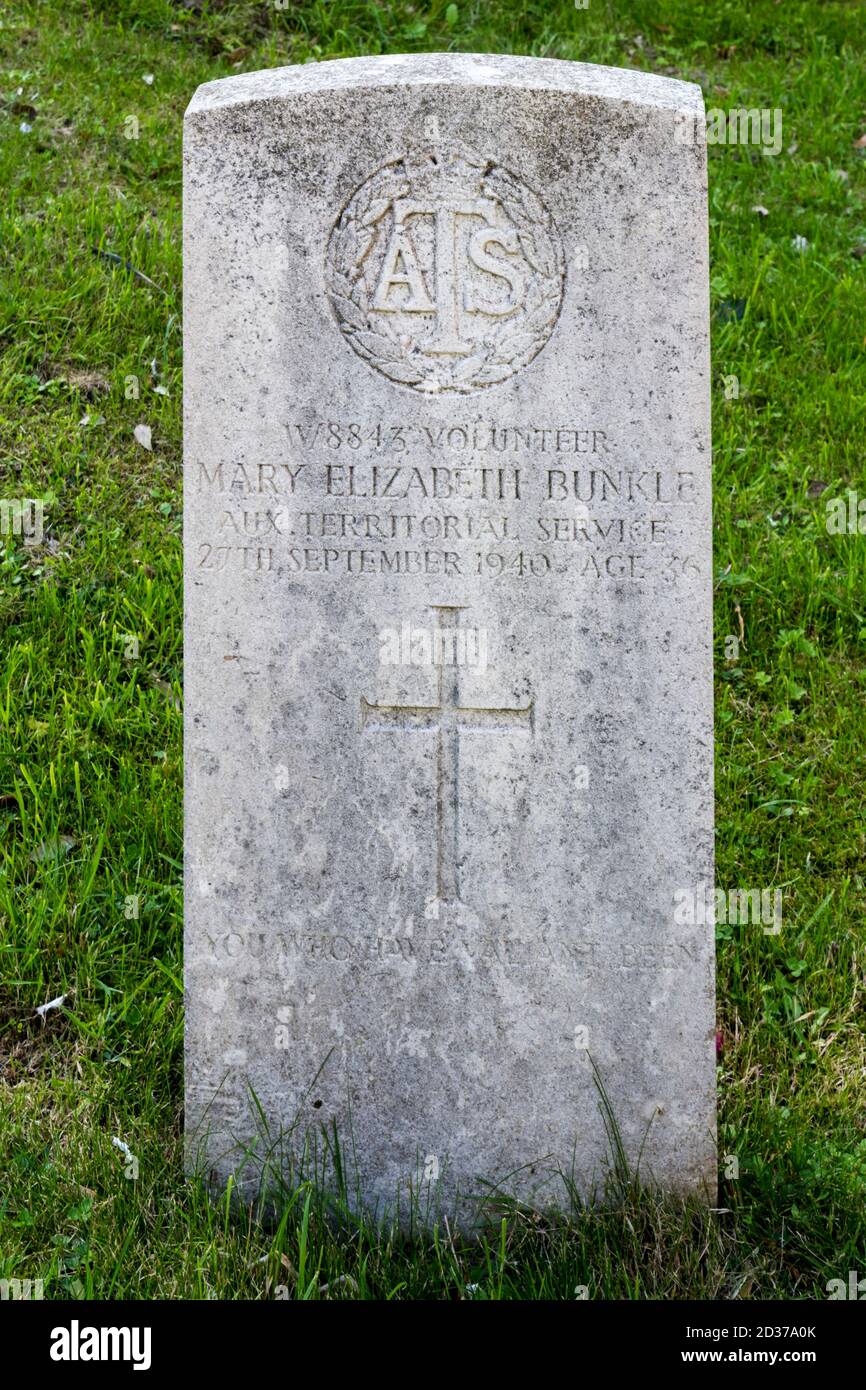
(90,664)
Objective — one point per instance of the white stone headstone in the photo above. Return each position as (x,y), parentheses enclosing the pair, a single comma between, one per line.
(448,624)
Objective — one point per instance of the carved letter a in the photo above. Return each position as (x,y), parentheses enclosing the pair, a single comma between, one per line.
(400,267)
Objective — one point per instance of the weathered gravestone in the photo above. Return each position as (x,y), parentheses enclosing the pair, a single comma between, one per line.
(448,623)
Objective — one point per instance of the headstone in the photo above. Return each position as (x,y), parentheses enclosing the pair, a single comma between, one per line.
(448,627)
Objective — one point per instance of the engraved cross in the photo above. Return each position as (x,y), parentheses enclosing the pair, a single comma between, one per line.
(447,717)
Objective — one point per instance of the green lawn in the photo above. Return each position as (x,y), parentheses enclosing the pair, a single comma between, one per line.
(90,663)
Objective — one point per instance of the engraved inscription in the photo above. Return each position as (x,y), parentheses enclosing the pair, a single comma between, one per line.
(430,944)
(445,271)
(467,500)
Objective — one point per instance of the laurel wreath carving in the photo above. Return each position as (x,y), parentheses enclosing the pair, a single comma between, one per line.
(508,343)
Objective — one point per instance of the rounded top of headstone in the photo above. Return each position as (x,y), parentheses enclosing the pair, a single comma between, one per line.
(624,85)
